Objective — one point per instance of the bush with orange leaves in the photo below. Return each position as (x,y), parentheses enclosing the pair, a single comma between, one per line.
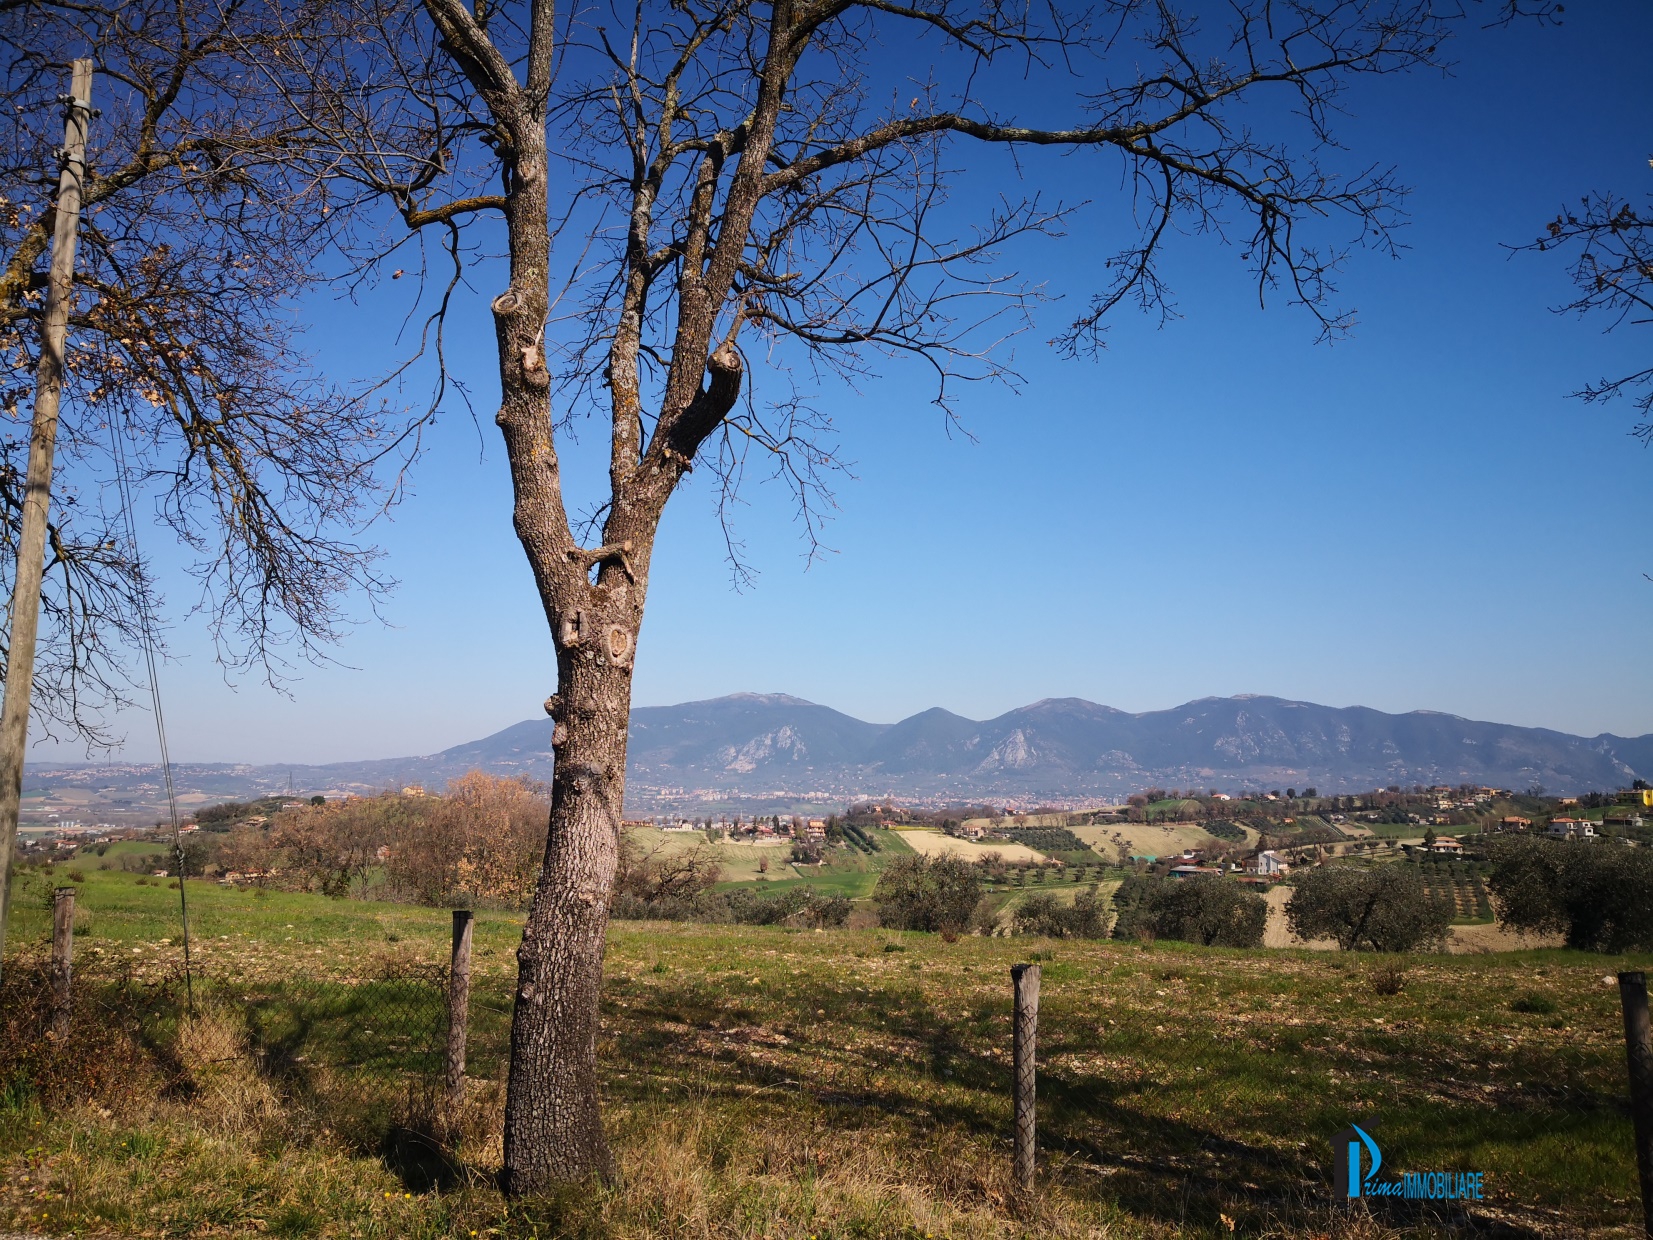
(481,844)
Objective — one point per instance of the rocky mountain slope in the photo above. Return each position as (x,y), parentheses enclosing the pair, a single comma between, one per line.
(773,749)
(771,744)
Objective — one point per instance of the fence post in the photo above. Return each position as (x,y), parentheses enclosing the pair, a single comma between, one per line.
(459,1003)
(1025,1037)
(63,952)
(1638,1049)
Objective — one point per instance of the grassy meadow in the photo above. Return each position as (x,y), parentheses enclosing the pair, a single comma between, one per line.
(769,1082)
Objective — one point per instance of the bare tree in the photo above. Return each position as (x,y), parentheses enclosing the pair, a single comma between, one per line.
(705,206)
(1610,243)
(183,383)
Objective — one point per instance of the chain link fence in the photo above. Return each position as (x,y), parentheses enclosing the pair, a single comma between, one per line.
(360,1055)
(1188,1081)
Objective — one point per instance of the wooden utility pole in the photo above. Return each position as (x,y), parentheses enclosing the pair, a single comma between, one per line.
(63,958)
(1024,1046)
(37,493)
(1638,1049)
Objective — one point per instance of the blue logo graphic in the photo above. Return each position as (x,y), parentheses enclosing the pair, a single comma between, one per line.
(1349,1145)
(1354,1148)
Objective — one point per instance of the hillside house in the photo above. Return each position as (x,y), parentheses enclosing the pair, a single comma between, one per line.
(1571,829)
(1512,822)
(1267,864)
(1194,871)
(1622,818)
(1446,844)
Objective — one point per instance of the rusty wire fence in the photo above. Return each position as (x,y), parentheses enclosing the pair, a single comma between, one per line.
(359,1055)
(1177,1077)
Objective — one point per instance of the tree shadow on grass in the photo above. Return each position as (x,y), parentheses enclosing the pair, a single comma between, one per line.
(1221,1151)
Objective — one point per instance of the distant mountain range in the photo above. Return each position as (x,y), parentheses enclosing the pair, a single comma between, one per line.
(775,750)
(1068,748)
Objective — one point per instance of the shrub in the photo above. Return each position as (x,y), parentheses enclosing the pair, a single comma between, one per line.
(1384,909)
(795,906)
(1042,915)
(679,888)
(1388,977)
(1599,895)
(985,919)
(96,1059)
(665,886)
(928,893)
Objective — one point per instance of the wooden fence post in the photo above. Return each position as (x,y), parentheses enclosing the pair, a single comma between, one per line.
(459,1004)
(1025,978)
(63,953)
(1638,1049)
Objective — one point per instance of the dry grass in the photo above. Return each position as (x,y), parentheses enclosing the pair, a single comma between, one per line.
(763,1084)
(686,1172)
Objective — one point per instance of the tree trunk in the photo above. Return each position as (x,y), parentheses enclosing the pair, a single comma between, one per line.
(553,1129)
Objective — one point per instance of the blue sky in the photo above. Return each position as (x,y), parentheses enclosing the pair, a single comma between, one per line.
(1417,517)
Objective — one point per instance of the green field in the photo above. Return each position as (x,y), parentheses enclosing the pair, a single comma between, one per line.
(765,1082)
(844,871)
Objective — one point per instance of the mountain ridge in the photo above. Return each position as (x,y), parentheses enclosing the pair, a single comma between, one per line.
(778,745)
(776,749)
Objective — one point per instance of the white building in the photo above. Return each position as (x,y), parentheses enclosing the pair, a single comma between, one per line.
(1268,864)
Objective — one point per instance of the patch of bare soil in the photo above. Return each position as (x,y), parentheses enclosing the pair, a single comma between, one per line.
(1477,940)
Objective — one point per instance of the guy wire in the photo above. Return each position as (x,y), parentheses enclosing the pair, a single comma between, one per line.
(147,630)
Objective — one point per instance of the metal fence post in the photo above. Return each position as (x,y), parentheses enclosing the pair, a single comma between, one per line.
(1025,1037)
(63,953)
(459,1002)
(1638,1050)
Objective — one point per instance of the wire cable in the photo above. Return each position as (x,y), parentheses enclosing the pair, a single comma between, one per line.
(146,628)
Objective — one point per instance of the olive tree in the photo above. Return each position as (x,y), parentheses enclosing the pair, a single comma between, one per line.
(1383,909)
(1205,909)
(1041,914)
(928,893)
(1599,895)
